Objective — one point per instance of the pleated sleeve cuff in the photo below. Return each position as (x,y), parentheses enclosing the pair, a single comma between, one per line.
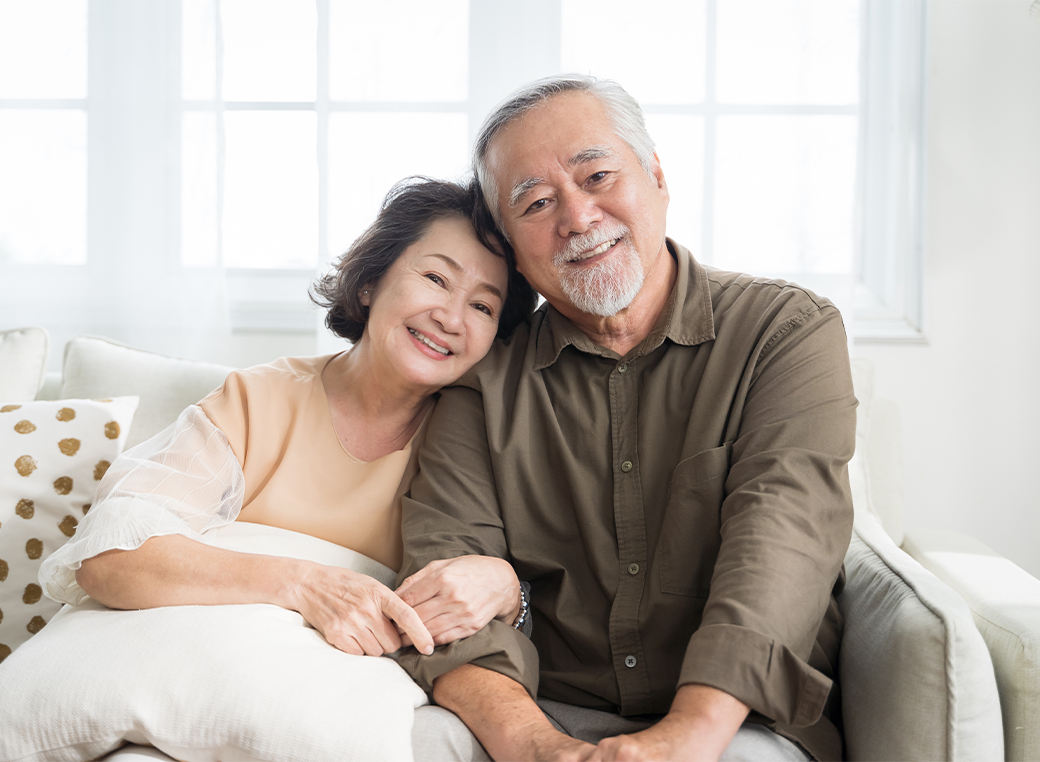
(759,671)
(497,647)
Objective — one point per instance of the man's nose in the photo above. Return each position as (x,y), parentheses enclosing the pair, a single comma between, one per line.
(578,211)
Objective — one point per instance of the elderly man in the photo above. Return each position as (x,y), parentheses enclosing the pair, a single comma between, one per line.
(660,452)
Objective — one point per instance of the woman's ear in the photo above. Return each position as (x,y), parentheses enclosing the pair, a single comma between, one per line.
(366,295)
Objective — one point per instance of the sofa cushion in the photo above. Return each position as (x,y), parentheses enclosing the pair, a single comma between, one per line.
(23,363)
(917,680)
(97,367)
(52,455)
(1005,601)
(207,683)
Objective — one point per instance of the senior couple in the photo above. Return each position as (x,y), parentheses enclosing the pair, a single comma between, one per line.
(658,453)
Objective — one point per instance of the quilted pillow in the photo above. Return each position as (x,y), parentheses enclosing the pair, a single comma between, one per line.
(206,683)
(52,455)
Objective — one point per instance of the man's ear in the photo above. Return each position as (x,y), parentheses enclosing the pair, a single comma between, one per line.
(658,173)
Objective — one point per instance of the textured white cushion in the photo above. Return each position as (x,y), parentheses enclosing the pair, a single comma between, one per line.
(52,455)
(23,363)
(1005,601)
(97,367)
(206,683)
(917,681)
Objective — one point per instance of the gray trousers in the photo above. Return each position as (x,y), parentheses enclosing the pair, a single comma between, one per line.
(440,736)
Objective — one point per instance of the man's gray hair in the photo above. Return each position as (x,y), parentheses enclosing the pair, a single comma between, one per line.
(622,108)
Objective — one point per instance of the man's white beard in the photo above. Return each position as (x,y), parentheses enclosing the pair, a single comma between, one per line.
(606,288)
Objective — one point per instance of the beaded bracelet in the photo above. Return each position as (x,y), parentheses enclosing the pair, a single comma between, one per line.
(522,616)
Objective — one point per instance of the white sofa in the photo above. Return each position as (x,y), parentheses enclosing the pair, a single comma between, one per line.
(941,653)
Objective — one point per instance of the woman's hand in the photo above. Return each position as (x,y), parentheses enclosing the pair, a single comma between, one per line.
(356,613)
(458,596)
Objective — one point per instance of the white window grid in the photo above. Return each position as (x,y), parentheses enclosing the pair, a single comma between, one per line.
(889,301)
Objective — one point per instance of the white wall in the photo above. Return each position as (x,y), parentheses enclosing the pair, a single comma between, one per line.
(970,399)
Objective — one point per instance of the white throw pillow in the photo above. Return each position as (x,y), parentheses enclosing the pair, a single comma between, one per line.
(96,367)
(207,683)
(52,456)
(23,363)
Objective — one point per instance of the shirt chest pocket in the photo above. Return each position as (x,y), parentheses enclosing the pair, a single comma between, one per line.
(689,542)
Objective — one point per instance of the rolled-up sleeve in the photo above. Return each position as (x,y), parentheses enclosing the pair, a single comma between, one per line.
(785,523)
(452,510)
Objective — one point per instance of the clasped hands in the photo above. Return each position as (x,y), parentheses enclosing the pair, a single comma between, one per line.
(441,603)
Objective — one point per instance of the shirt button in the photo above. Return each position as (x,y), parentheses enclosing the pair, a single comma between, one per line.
(633,569)
(622,368)
(626,466)
(630,661)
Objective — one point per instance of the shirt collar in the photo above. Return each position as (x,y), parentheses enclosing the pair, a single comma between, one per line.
(691,324)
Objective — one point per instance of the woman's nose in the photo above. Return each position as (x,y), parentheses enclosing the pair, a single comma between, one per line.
(450,313)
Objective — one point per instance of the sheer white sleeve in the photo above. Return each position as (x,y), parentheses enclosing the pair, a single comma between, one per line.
(185,480)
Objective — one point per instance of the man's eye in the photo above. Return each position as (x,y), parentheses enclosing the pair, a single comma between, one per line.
(539,204)
(595,178)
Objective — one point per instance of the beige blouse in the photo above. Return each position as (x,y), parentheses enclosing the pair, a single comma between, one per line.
(297,475)
(259,449)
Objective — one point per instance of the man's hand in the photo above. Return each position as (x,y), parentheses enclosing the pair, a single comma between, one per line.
(699,727)
(458,596)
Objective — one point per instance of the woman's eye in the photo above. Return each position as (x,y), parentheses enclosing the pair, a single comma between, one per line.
(435,278)
(485,309)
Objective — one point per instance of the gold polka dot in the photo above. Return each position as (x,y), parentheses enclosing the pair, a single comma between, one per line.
(4,568)
(66,414)
(99,471)
(69,446)
(5,651)
(32,594)
(86,507)
(68,526)
(25,508)
(102,400)
(25,465)
(34,548)
(24,427)
(1,615)
(35,624)
(9,408)
(63,485)
(112,430)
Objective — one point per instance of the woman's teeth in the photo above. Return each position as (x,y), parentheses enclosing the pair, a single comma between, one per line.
(427,342)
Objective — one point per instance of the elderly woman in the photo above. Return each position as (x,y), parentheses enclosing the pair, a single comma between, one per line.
(325,446)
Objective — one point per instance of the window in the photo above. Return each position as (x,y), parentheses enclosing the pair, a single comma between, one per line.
(182,169)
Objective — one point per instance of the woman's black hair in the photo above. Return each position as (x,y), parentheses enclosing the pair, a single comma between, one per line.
(408,210)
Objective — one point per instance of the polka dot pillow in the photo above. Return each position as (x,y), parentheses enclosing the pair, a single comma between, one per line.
(52,456)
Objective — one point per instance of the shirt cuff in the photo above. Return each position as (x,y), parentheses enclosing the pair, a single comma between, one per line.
(497,647)
(764,674)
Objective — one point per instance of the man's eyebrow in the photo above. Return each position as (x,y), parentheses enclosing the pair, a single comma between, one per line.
(592,153)
(584,156)
(521,188)
(458,268)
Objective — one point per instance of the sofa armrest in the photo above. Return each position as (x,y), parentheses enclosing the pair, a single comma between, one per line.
(1005,602)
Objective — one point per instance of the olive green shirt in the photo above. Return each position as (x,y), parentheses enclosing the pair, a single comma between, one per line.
(681,513)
